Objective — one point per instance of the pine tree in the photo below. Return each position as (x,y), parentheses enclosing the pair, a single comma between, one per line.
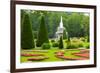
(61,43)
(27,40)
(42,33)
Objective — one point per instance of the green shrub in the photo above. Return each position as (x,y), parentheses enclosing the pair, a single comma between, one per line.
(74,40)
(66,40)
(65,35)
(71,45)
(55,44)
(80,45)
(82,39)
(27,39)
(35,34)
(42,33)
(52,41)
(61,43)
(77,42)
(87,46)
(46,46)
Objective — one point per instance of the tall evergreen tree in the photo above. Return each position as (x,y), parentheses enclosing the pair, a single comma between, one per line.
(42,33)
(27,40)
(61,43)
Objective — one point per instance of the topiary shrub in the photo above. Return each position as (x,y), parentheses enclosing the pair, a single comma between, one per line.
(55,44)
(61,43)
(46,46)
(42,33)
(27,40)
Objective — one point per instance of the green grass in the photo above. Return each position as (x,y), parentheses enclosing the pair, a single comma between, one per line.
(51,54)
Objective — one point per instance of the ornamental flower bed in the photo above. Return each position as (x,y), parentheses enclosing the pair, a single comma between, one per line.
(27,55)
(85,55)
(44,51)
(84,51)
(38,58)
(70,58)
(60,53)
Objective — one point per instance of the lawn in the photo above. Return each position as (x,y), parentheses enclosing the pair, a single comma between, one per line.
(49,53)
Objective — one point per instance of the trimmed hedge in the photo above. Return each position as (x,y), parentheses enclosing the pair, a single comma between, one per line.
(46,46)
(52,41)
(27,40)
(42,33)
(87,46)
(55,44)
(71,45)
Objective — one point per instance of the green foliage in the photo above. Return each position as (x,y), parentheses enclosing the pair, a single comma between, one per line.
(75,23)
(54,44)
(61,43)
(66,40)
(71,45)
(52,41)
(85,25)
(87,38)
(75,43)
(65,35)
(35,34)
(80,44)
(46,46)
(83,39)
(87,45)
(27,40)
(42,33)
(74,26)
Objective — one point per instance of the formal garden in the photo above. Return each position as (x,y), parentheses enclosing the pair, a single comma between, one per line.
(48,36)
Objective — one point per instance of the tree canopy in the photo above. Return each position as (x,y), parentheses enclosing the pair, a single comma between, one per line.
(75,23)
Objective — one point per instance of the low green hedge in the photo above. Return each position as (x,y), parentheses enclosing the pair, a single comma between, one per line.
(52,40)
(46,46)
(71,46)
(55,44)
(87,46)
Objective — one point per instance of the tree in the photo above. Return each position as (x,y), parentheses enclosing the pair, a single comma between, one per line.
(85,26)
(42,33)
(27,40)
(65,36)
(74,25)
(61,43)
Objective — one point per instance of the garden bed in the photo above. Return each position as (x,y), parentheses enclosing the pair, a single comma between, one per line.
(27,55)
(54,54)
(83,56)
(37,58)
